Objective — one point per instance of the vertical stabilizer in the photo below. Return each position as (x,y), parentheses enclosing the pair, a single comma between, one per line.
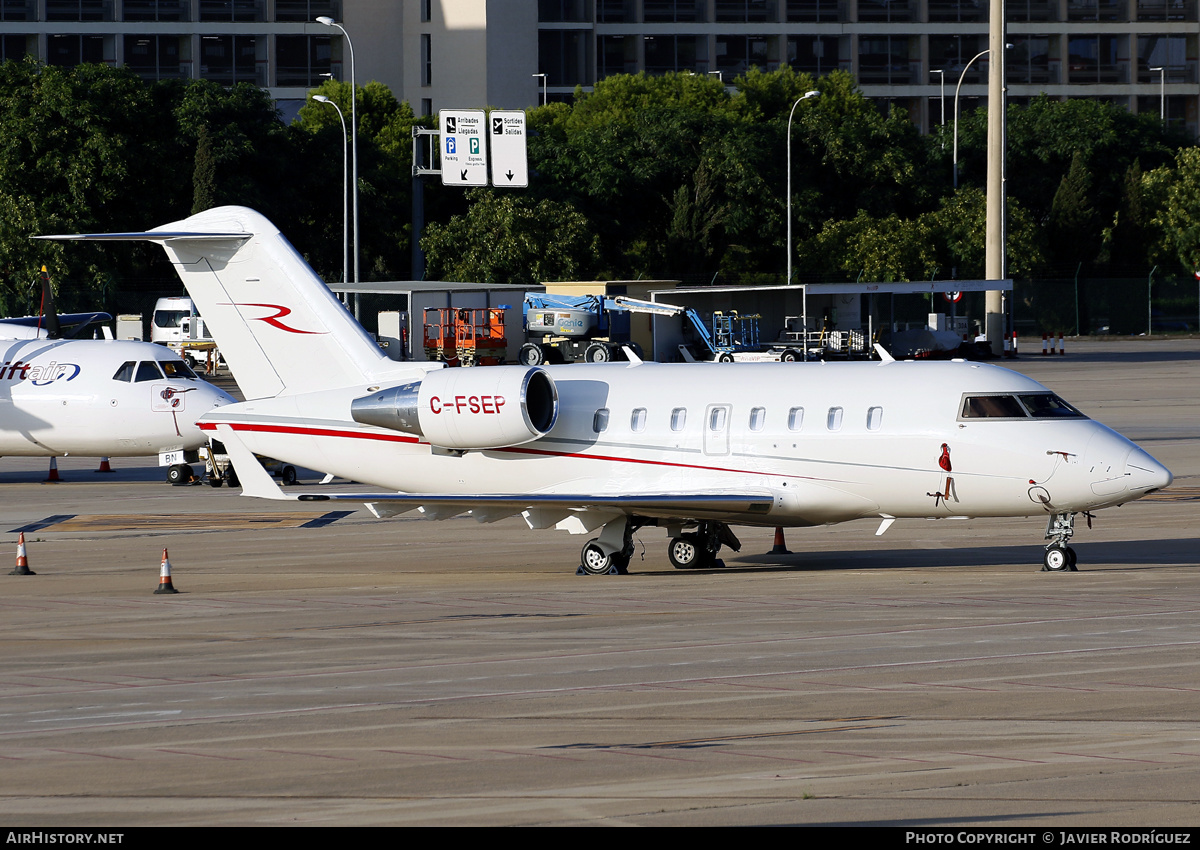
(279,327)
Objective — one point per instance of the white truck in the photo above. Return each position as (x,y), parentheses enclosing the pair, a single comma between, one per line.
(177,325)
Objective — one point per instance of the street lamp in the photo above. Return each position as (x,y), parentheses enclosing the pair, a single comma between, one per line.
(1162,92)
(961,77)
(804,317)
(544,79)
(320,98)
(330,22)
(942,83)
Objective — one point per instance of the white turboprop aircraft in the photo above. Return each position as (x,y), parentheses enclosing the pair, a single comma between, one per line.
(101,398)
(607,449)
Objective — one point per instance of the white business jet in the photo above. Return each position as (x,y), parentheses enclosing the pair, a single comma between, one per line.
(607,449)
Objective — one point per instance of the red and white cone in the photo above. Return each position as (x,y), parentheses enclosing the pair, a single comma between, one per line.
(164,576)
(1043,345)
(53,478)
(104,465)
(1062,349)
(22,561)
(1014,345)
(780,548)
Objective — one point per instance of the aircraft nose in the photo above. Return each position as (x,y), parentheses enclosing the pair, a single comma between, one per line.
(1143,473)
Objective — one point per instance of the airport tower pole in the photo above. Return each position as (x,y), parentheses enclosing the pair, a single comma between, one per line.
(994,260)
(788,280)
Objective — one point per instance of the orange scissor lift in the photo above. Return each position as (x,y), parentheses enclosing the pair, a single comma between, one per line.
(465,336)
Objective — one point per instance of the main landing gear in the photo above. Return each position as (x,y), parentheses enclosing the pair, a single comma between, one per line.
(1059,558)
(610,553)
(697,550)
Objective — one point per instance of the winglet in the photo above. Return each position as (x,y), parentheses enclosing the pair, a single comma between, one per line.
(884,355)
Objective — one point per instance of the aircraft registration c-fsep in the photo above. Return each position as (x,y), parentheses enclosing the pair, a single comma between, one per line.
(608,449)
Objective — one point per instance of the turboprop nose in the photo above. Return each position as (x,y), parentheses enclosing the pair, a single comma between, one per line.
(1143,474)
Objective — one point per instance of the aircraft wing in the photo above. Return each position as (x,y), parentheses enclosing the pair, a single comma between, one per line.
(546,509)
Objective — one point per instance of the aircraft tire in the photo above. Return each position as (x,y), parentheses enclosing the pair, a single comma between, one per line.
(684,552)
(214,481)
(1058,559)
(594,562)
(180,473)
(231,477)
(288,476)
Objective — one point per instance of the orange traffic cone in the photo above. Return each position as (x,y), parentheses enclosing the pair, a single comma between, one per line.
(164,576)
(104,466)
(53,478)
(780,548)
(22,561)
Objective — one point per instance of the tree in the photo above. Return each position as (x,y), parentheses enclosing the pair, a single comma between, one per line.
(510,238)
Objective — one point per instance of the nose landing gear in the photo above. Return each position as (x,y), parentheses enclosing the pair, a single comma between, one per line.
(1059,557)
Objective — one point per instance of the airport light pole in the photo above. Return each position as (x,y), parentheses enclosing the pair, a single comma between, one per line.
(330,22)
(320,98)
(1162,92)
(804,317)
(942,98)
(961,77)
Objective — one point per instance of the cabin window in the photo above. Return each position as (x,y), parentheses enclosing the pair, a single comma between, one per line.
(758,416)
(834,420)
(125,373)
(992,407)
(600,420)
(874,418)
(176,369)
(678,418)
(795,418)
(716,419)
(637,422)
(148,370)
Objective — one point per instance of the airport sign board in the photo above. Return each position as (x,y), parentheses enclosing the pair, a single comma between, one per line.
(506,134)
(463,144)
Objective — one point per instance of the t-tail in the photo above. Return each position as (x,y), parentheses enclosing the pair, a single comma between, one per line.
(280,328)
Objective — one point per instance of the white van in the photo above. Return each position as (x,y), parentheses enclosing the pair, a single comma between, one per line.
(177,325)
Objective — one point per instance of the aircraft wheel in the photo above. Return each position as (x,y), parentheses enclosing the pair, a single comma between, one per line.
(214,482)
(1058,559)
(288,475)
(789,356)
(725,357)
(684,552)
(180,473)
(1072,558)
(531,354)
(597,353)
(594,562)
(231,477)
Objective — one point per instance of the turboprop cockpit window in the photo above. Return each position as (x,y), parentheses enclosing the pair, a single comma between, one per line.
(125,373)
(176,369)
(1049,406)
(148,370)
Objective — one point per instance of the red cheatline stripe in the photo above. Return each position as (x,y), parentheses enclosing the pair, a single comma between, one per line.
(389,438)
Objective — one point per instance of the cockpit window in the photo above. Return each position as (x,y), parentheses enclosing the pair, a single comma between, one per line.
(1035,405)
(125,373)
(176,369)
(148,370)
(1049,406)
(992,407)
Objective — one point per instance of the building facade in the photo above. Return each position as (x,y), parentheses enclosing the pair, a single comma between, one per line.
(911,54)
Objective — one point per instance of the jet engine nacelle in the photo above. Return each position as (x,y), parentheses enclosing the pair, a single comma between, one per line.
(485,407)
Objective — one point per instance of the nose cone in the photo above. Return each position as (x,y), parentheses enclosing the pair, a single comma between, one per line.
(1143,474)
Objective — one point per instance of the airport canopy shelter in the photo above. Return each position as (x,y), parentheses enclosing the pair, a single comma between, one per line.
(394,310)
(811,311)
